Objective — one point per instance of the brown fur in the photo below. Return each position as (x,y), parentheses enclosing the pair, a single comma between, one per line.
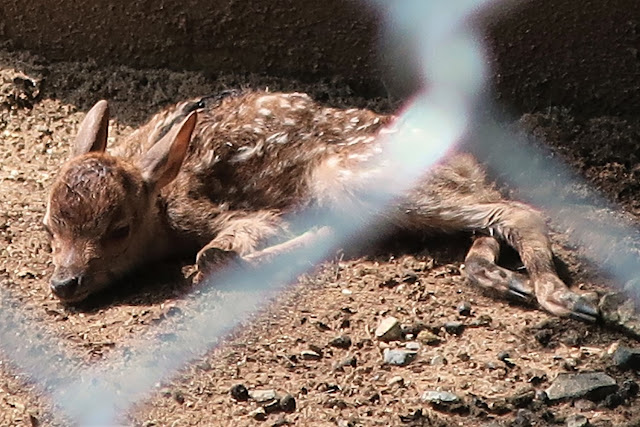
(252,159)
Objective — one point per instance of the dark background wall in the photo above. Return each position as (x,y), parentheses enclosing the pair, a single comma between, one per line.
(543,51)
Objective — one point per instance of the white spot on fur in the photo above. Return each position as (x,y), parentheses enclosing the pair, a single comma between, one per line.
(245,153)
(278,138)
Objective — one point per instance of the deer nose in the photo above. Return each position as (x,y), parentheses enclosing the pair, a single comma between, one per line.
(65,288)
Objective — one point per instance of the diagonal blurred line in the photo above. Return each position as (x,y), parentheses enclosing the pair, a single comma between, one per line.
(30,349)
(608,239)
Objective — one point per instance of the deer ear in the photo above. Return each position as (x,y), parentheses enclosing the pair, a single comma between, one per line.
(161,164)
(92,134)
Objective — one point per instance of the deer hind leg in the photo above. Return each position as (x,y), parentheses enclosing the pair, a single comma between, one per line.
(524,228)
(481,269)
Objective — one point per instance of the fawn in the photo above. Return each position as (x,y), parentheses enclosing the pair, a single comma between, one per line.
(219,175)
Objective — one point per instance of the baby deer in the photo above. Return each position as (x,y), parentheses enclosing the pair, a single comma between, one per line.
(218,177)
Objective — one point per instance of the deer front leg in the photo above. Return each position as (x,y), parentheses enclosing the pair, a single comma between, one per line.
(240,234)
(481,269)
(300,243)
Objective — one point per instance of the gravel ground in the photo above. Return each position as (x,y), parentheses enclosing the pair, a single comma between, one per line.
(315,342)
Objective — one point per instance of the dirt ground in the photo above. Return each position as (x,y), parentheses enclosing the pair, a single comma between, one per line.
(418,282)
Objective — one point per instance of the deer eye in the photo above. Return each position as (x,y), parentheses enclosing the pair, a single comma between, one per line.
(118,233)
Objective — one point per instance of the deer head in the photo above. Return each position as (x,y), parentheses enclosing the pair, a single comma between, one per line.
(101,208)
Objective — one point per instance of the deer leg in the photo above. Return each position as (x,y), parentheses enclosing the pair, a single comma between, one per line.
(243,233)
(525,229)
(299,243)
(212,255)
(481,270)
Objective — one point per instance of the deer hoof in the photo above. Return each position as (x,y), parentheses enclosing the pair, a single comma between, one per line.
(583,307)
(211,259)
(520,289)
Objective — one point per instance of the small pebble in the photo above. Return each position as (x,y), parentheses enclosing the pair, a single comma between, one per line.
(398,357)
(239,392)
(409,277)
(629,388)
(258,414)
(593,385)
(626,358)
(271,406)
(482,320)
(577,420)
(310,355)
(288,403)
(613,400)
(342,341)
(280,422)
(438,360)
(428,338)
(178,397)
(434,396)
(505,357)
(524,418)
(464,308)
(584,405)
(544,336)
(522,397)
(454,328)
(569,364)
(412,345)
(347,361)
(261,396)
(389,329)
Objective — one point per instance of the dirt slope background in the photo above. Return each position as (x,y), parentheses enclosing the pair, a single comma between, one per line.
(497,363)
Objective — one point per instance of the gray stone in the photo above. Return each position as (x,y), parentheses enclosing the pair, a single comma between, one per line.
(262,395)
(412,345)
(398,357)
(347,361)
(438,359)
(310,355)
(626,358)
(454,328)
(258,414)
(342,341)
(428,338)
(629,388)
(464,308)
(239,392)
(577,420)
(288,403)
(569,364)
(619,310)
(592,385)
(439,397)
(389,330)
(271,406)
(524,418)
(522,397)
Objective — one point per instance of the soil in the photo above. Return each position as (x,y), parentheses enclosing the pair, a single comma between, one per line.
(416,281)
